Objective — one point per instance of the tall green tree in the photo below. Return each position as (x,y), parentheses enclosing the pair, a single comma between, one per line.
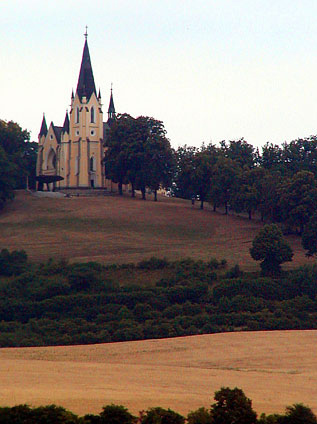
(232,406)
(203,168)
(224,182)
(298,198)
(270,247)
(298,414)
(185,156)
(240,151)
(139,152)
(8,172)
(20,151)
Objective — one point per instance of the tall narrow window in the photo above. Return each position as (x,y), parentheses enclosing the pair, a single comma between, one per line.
(92,115)
(92,165)
(77,115)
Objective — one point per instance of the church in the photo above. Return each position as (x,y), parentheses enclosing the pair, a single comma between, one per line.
(75,150)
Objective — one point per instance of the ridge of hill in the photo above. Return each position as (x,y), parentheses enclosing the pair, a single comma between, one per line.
(117,229)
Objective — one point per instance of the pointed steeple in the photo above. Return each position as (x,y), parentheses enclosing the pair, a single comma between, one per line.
(66,123)
(99,95)
(86,83)
(111,109)
(43,130)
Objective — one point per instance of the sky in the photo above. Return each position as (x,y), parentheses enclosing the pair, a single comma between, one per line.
(211,70)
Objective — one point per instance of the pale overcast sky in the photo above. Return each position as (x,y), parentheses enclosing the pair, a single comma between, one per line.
(209,69)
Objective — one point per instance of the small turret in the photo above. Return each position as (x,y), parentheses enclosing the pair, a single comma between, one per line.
(43,130)
(111,109)
(66,123)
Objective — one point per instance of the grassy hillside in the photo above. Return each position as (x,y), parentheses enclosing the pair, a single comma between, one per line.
(274,369)
(122,230)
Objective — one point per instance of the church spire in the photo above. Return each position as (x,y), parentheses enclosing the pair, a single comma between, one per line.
(66,123)
(111,109)
(43,130)
(86,83)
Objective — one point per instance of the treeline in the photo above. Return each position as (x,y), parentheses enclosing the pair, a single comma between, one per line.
(279,183)
(57,303)
(17,160)
(230,406)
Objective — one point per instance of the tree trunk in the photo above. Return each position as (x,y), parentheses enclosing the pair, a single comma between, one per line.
(215,207)
(120,188)
(226,208)
(201,204)
(143,193)
(132,190)
(155,195)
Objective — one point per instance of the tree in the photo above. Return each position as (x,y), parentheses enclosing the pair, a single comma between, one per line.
(184,171)
(232,406)
(309,237)
(298,414)
(270,247)
(116,414)
(20,151)
(138,152)
(200,416)
(204,162)
(224,182)
(240,151)
(162,416)
(7,178)
(298,197)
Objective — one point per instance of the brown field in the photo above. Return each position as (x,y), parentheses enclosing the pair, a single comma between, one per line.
(113,229)
(274,369)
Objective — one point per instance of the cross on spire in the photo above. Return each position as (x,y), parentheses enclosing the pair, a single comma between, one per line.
(86,33)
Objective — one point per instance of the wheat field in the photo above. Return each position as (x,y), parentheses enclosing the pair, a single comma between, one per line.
(274,369)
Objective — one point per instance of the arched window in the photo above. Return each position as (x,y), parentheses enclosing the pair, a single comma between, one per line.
(51,160)
(77,115)
(92,115)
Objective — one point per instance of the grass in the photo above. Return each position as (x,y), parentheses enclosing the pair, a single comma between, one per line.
(122,230)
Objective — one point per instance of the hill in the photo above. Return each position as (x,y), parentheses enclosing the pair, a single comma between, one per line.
(180,373)
(120,229)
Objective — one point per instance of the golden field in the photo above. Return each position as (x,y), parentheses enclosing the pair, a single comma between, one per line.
(274,369)
(120,229)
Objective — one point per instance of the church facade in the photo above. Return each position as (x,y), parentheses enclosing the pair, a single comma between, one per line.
(75,150)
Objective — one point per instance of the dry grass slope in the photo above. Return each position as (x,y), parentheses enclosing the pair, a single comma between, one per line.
(114,229)
(274,369)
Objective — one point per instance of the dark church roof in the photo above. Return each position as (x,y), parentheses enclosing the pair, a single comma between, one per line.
(86,83)
(57,132)
(43,130)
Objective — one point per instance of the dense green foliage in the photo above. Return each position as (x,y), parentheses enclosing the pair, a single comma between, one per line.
(17,159)
(139,153)
(59,303)
(231,407)
(278,184)
(270,247)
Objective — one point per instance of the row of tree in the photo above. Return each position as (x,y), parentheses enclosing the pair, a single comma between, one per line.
(231,406)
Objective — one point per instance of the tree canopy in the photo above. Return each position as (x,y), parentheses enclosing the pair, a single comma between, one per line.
(270,247)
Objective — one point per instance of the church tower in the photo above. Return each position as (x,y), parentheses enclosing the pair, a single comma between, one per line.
(75,150)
